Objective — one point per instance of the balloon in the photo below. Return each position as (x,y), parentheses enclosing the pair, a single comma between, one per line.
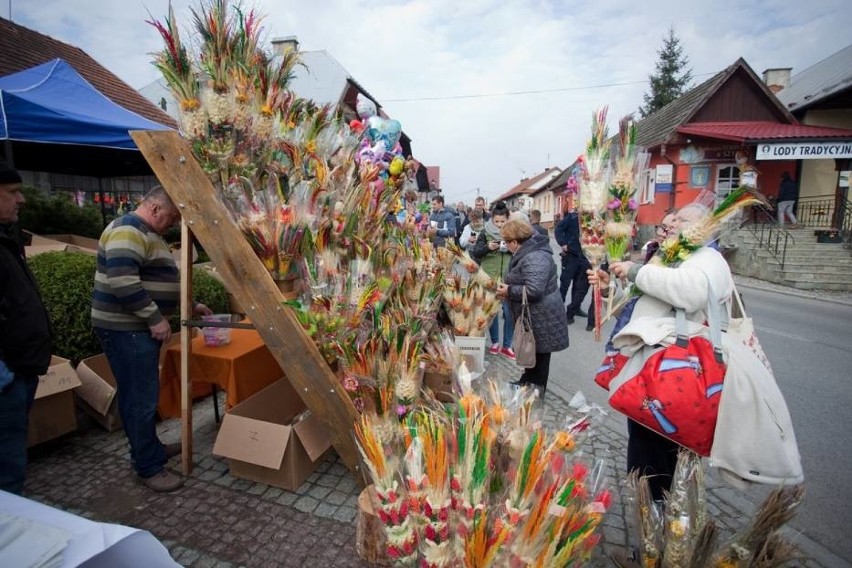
(365,107)
(356,125)
(383,129)
(396,166)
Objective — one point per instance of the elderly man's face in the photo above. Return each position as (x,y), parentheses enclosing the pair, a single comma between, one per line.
(11,200)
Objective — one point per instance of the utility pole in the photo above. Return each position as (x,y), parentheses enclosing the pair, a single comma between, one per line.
(477,192)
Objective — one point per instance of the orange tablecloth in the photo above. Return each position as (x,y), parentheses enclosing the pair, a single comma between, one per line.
(241,368)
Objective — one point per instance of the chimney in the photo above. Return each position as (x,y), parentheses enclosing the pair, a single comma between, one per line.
(777,79)
(282,45)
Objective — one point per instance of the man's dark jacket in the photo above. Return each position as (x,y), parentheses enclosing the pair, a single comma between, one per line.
(25,344)
(568,233)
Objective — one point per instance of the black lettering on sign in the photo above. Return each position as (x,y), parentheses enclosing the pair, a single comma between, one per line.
(253,435)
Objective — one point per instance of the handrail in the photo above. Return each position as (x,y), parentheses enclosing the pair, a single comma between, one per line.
(825,212)
(771,236)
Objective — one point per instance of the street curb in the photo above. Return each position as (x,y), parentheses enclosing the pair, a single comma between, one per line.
(806,294)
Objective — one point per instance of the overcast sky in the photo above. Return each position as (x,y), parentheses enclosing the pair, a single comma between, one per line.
(489,90)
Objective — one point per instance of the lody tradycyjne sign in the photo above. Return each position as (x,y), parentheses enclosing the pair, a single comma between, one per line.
(804,150)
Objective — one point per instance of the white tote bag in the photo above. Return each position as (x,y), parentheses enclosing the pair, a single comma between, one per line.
(754,439)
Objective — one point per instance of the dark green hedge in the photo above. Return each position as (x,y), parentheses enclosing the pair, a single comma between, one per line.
(66,280)
(58,214)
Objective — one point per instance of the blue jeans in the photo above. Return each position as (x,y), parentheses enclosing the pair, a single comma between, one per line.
(16,399)
(134,358)
(508,327)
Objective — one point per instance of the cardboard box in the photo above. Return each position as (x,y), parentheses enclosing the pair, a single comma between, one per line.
(83,244)
(33,250)
(53,413)
(272,438)
(96,394)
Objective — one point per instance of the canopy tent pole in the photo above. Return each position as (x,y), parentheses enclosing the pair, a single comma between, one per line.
(7,153)
(101,194)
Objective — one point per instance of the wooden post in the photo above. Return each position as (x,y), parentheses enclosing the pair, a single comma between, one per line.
(244,274)
(186,348)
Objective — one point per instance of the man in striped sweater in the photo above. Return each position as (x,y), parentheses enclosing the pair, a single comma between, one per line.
(137,286)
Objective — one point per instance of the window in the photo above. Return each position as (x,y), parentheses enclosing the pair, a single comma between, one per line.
(646,187)
(727,178)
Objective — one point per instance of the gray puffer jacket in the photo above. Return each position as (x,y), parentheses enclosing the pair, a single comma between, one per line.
(533,266)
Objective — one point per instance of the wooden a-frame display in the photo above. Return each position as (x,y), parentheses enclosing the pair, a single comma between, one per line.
(172,161)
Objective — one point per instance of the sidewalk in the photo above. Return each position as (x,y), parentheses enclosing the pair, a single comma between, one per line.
(216,520)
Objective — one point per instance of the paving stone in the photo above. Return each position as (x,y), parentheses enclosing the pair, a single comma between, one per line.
(188,557)
(258,489)
(241,485)
(325,510)
(318,492)
(336,498)
(345,514)
(272,493)
(346,484)
(209,475)
(287,498)
(328,480)
(306,504)
(225,481)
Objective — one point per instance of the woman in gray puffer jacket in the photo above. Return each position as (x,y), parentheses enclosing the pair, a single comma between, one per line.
(533,266)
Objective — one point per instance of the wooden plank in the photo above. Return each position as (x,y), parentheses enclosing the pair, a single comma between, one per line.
(186,348)
(189,187)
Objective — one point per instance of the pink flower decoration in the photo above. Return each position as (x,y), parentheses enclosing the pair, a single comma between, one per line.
(614,204)
(632,204)
(350,383)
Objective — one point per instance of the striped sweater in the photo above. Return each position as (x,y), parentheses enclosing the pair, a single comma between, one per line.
(137,282)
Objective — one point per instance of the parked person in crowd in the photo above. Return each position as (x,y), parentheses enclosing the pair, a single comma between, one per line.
(461,214)
(532,266)
(535,221)
(442,221)
(664,288)
(479,203)
(788,194)
(137,286)
(574,262)
(25,337)
(471,231)
(493,255)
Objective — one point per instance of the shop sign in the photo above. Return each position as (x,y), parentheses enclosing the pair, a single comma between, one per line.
(805,150)
(664,181)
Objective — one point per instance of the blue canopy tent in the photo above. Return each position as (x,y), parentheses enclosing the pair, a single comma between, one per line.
(53,120)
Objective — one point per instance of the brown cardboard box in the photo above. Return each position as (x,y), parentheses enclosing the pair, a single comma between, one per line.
(82,244)
(272,438)
(33,250)
(96,394)
(53,413)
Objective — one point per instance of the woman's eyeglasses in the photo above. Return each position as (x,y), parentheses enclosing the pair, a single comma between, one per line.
(663,229)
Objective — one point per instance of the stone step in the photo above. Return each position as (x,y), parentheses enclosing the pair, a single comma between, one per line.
(843,258)
(810,268)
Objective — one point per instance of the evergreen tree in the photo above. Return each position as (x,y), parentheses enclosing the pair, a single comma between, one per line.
(671,78)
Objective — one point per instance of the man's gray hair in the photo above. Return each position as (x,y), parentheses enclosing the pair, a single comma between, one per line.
(158,194)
